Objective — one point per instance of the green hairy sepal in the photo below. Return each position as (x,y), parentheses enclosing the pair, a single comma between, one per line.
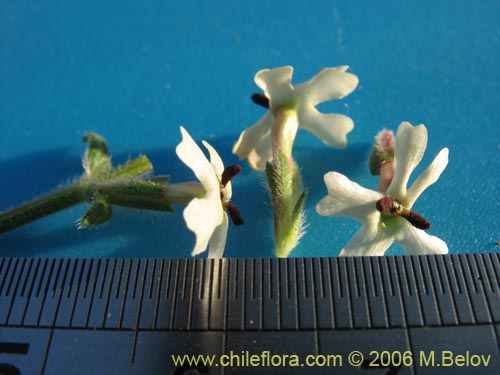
(96,161)
(288,202)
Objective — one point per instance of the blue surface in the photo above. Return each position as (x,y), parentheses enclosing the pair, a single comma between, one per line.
(135,71)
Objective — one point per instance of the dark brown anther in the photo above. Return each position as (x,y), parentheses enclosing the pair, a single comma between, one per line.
(229,173)
(384,205)
(387,205)
(261,100)
(416,220)
(234,213)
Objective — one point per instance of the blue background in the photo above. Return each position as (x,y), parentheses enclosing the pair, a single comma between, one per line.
(135,71)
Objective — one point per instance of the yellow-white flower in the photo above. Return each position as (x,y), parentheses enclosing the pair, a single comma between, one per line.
(387,217)
(299,104)
(206,215)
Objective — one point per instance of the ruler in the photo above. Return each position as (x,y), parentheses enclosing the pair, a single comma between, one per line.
(128,316)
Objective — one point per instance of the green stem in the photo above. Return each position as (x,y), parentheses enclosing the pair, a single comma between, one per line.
(153,194)
(43,206)
(145,195)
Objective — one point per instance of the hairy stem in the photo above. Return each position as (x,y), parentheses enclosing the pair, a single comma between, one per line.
(43,206)
(152,194)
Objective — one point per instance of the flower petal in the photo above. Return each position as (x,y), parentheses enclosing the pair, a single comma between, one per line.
(191,155)
(369,240)
(218,241)
(347,198)
(262,153)
(330,83)
(215,159)
(411,142)
(251,136)
(331,128)
(428,177)
(417,242)
(203,216)
(276,84)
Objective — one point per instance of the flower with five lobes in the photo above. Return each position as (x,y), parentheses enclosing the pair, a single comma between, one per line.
(388,217)
(299,101)
(205,214)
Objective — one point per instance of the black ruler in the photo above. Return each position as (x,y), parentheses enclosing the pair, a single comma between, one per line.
(404,315)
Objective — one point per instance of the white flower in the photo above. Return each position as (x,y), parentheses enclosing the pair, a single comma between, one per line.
(330,83)
(206,215)
(380,230)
